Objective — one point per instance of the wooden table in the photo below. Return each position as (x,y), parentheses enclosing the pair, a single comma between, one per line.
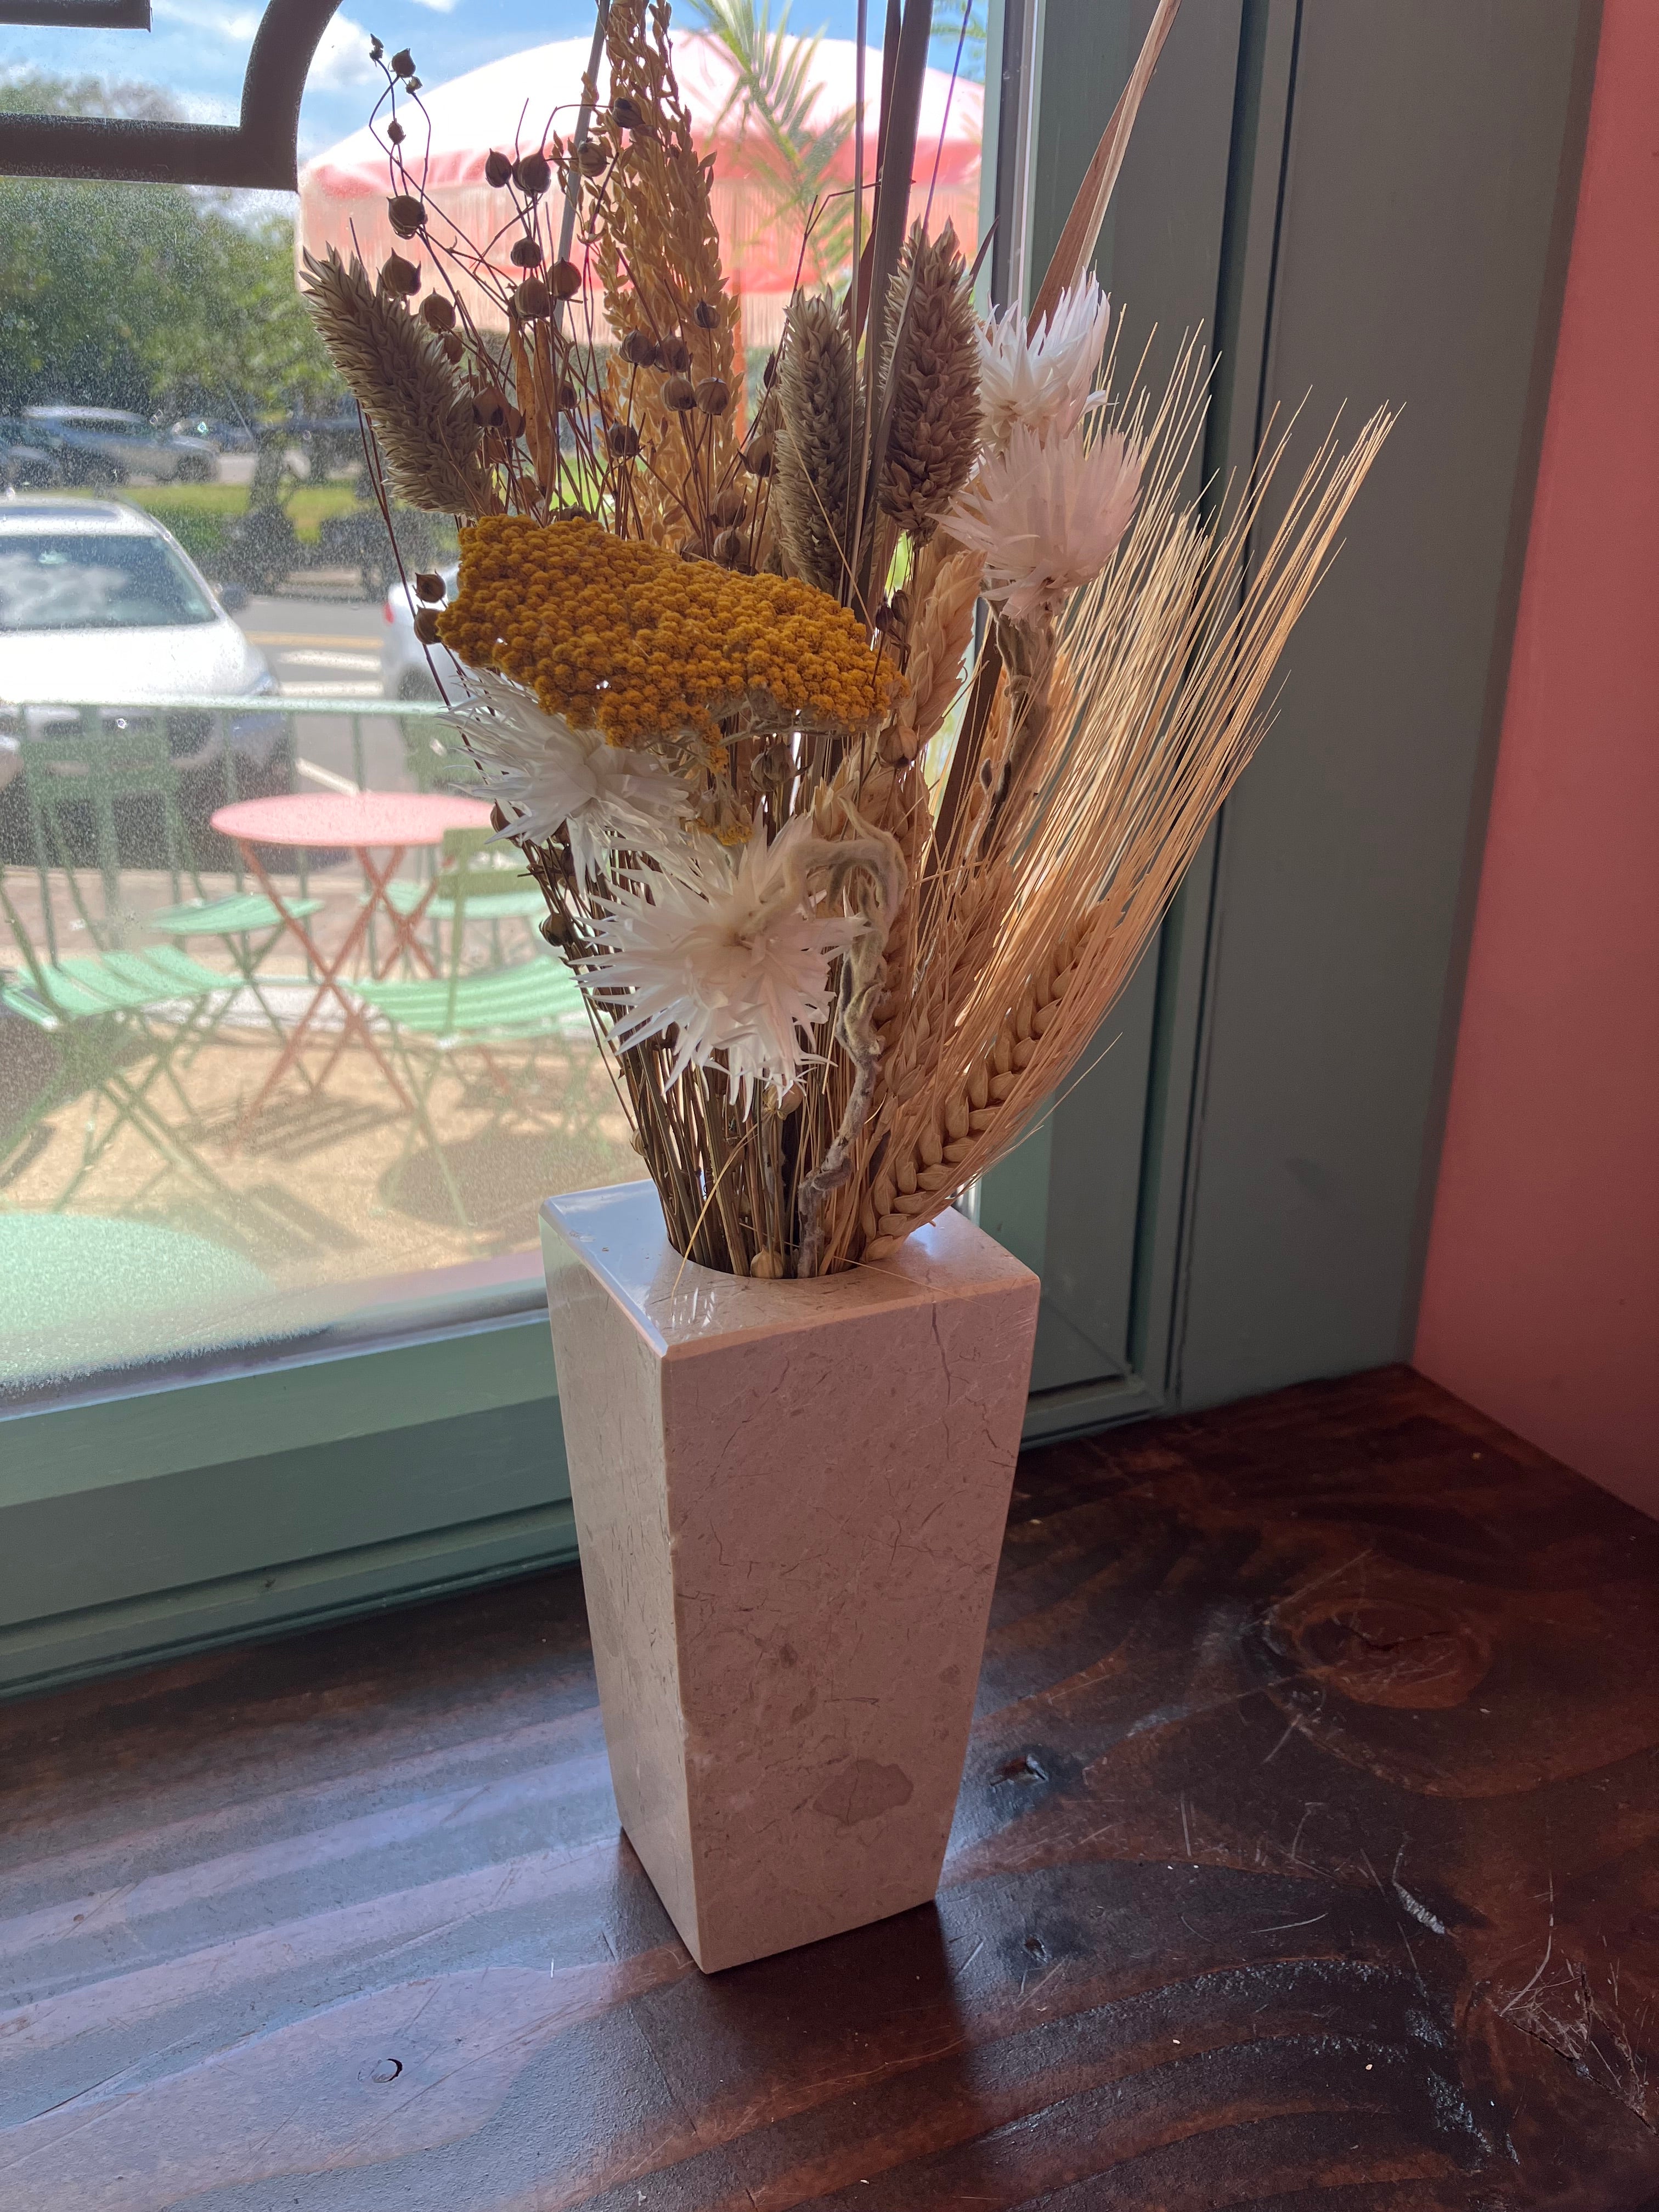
(364,823)
(1307,1859)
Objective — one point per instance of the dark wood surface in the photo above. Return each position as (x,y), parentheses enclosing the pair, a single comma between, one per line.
(1308,1858)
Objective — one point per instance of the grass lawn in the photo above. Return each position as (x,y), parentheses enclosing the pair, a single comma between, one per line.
(201,515)
(185,508)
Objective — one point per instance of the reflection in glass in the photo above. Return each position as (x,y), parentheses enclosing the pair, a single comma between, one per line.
(198,607)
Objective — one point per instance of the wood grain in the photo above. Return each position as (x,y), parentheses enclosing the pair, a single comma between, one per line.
(1307,1859)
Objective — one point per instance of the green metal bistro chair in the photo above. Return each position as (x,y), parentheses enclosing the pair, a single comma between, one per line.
(87,771)
(529,1004)
(120,1021)
(510,899)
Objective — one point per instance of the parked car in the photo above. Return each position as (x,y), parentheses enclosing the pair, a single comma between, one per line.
(224,437)
(99,605)
(29,459)
(107,445)
(405,672)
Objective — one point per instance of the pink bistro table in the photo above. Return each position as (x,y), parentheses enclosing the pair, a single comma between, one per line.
(390,823)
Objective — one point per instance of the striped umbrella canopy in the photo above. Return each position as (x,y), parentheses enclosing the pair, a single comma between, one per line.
(516,103)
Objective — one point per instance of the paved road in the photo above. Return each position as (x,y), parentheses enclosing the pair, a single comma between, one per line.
(331,649)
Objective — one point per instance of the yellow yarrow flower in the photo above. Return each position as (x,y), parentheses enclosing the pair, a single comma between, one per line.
(607,631)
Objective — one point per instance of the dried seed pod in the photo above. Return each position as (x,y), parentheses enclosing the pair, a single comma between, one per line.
(437,313)
(624,440)
(403,63)
(414,84)
(569,395)
(627,115)
(770,373)
(405,214)
(426,625)
(639,348)
(525,254)
(394,131)
(728,548)
(489,408)
(532,300)
(728,506)
(713,395)
(572,511)
(566,280)
(679,393)
(706,316)
(454,346)
(429,586)
(676,355)
(592,158)
(399,278)
(757,456)
(532,174)
(498,167)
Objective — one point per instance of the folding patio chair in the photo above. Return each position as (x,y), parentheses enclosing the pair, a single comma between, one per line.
(90,770)
(119,1020)
(525,1005)
(514,899)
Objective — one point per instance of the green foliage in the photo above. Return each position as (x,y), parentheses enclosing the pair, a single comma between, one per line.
(148,296)
(949,27)
(200,515)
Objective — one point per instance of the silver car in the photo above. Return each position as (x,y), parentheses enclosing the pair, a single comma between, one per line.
(101,607)
(107,445)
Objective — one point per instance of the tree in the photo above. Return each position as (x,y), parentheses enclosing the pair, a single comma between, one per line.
(968,29)
(156,297)
(773,96)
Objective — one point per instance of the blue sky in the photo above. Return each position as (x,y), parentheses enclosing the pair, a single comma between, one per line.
(198,49)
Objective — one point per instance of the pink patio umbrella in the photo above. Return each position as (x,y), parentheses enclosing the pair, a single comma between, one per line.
(515,104)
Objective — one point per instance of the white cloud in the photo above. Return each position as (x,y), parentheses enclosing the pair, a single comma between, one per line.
(439,7)
(237,25)
(342,58)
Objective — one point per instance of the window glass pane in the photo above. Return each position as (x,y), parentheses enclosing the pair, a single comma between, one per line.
(255,1089)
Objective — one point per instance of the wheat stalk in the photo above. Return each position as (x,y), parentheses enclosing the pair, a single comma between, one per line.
(816,395)
(1157,705)
(930,380)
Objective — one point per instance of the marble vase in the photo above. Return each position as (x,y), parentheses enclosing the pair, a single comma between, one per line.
(790,1500)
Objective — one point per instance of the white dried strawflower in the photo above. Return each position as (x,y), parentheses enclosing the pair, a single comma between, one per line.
(558,778)
(1042,382)
(1047,517)
(726,951)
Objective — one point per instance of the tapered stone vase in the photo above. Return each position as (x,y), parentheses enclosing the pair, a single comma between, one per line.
(790,1500)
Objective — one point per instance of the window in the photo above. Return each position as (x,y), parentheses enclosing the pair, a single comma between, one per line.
(268,1233)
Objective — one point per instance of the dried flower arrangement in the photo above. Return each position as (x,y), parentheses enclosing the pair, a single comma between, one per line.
(838,940)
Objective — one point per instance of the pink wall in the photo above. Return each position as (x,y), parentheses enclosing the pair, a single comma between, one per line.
(1541,1301)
